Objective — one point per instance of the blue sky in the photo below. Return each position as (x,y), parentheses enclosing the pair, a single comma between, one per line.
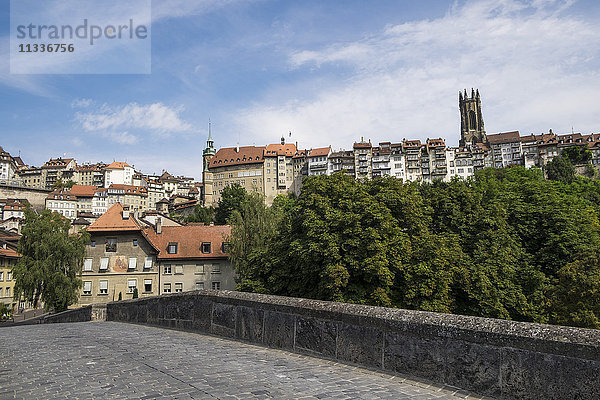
(328,71)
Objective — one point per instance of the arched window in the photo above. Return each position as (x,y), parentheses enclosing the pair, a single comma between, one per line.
(472,120)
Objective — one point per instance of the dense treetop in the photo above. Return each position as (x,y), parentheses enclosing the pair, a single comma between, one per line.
(505,244)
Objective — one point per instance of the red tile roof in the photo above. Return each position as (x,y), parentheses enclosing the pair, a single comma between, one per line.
(14,207)
(505,137)
(231,156)
(10,253)
(112,220)
(57,163)
(83,190)
(189,240)
(118,165)
(321,151)
(287,149)
(130,189)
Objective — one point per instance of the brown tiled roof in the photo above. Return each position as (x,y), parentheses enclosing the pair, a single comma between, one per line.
(112,220)
(83,190)
(321,151)
(81,221)
(436,142)
(65,193)
(90,167)
(189,240)
(130,189)
(13,207)
(412,143)
(229,156)
(505,137)
(57,163)
(10,253)
(287,149)
(117,165)
(363,145)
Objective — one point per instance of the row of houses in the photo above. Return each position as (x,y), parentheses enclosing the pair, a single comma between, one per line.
(146,254)
(279,168)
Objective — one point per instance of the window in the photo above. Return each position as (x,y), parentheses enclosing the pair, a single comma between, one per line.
(1,275)
(8,292)
(87,288)
(111,245)
(172,248)
(226,247)
(148,263)
(200,269)
(167,288)
(93,243)
(9,276)
(216,269)
(104,263)
(179,269)
(147,285)
(135,242)
(132,262)
(87,264)
(178,287)
(199,285)
(103,287)
(205,247)
(167,269)
(131,285)
(216,286)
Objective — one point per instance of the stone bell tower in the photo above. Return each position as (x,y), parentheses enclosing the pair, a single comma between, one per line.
(472,129)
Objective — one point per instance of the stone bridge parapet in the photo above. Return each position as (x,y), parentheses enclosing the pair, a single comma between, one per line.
(496,358)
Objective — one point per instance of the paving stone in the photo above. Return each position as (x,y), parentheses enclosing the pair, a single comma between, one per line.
(125,361)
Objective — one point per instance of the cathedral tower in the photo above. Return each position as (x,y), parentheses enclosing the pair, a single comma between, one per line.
(471,119)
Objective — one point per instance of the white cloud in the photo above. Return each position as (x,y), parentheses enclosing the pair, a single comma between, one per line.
(82,103)
(156,118)
(535,66)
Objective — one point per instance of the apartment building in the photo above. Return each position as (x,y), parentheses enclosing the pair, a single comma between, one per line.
(118,173)
(90,174)
(506,149)
(119,259)
(56,169)
(8,167)
(63,202)
(8,258)
(192,257)
(125,253)
(135,197)
(31,177)
(363,154)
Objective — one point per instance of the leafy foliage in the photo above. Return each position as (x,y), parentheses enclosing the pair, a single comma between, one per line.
(504,244)
(232,198)
(51,261)
(561,169)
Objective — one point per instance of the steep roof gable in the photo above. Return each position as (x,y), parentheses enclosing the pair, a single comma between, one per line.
(113,220)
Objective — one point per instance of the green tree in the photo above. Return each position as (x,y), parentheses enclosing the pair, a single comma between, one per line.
(253,227)
(580,154)
(232,198)
(560,169)
(575,299)
(590,171)
(51,261)
(201,214)
(135,293)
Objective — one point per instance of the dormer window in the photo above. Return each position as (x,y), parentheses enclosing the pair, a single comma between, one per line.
(205,248)
(172,248)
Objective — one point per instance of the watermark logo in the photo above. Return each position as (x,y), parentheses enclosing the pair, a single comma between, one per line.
(80,37)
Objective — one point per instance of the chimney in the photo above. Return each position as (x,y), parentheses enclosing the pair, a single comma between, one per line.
(158,225)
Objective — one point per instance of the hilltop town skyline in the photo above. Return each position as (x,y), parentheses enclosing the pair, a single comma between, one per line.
(258,70)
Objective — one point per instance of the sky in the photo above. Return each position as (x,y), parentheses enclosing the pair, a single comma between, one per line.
(329,72)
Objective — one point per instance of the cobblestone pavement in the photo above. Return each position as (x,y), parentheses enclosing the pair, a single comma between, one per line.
(122,361)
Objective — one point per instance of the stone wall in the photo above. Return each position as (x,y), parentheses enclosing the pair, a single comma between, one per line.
(496,358)
(36,197)
(95,312)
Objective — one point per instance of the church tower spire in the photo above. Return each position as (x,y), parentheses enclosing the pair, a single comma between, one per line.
(208,153)
(472,129)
